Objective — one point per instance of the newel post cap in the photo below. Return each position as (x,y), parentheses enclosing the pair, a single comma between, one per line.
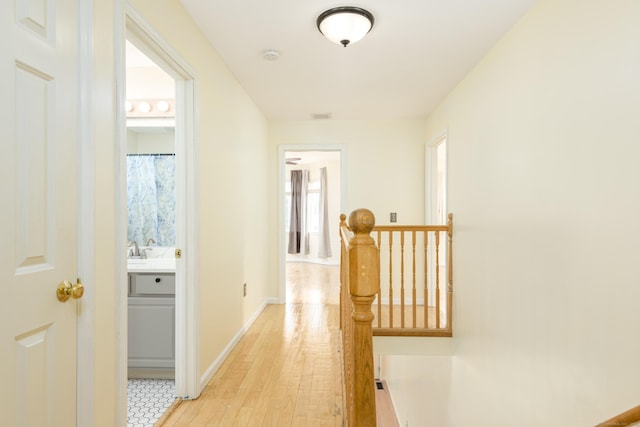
(364,266)
(362,221)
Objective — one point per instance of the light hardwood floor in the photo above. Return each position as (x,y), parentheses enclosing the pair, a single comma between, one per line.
(286,370)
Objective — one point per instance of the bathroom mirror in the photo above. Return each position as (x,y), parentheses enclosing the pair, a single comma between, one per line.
(151,195)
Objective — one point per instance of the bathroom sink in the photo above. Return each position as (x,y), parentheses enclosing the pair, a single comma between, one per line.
(151,265)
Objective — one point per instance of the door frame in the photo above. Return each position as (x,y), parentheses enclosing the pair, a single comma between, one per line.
(85,366)
(431,178)
(282,244)
(431,195)
(134,27)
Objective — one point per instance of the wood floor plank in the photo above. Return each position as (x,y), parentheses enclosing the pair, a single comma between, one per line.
(286,370)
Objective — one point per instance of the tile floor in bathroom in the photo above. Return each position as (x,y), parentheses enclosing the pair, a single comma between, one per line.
(147,400)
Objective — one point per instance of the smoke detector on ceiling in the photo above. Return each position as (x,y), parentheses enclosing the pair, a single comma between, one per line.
(271,55)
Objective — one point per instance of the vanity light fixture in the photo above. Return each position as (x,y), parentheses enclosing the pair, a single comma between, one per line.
(163,106)
(150,107)
(144,107)
(345,25)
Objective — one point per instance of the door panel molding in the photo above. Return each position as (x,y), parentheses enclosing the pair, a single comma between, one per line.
(37,16)
(35,110)
(35,364)
(39,122)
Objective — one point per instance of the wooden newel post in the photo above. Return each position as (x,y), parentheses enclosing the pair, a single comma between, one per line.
(364,284)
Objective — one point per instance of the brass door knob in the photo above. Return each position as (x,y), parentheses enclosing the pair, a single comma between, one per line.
(66,290)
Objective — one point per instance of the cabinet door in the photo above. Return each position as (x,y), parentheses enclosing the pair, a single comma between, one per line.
(152,284)
(151,332)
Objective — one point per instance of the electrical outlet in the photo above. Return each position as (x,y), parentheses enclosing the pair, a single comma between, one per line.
(244,290)
(393,217)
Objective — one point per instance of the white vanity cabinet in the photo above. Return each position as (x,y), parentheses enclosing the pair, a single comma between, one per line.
(151,334)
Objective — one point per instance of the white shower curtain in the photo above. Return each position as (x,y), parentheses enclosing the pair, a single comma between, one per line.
(151,198)
(324,239)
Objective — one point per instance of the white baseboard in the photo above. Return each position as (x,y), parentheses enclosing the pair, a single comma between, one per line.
(274,300)
(213,368)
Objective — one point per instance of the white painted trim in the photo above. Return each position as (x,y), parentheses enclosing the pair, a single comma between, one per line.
(282,244)
(273,300)
(215,365)
(121,295)
(134,27)
(187,312)
(85,396)
(430,161)
(431,165)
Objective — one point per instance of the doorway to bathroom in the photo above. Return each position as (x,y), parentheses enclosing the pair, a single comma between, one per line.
(312,188)
(158,314)
(151,236)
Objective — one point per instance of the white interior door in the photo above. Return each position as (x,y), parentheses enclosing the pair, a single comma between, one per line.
(38,219)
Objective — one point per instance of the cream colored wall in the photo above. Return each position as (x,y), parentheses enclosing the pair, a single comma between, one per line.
(149,82)
(384,165)
(232,184)
(542,147)
(543,182)
(384,161)
(161,141)
(416,401)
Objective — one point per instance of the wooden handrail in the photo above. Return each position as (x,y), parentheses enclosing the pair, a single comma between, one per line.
(412,227)
(627,418)
(359,283)
(413,293)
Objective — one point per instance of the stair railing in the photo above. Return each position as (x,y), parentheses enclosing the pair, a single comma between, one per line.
(359,283)
(627,418)
(416,283)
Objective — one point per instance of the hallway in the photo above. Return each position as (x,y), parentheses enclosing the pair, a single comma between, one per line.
(286,370)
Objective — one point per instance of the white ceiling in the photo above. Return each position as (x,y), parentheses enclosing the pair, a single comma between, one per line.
(416,53)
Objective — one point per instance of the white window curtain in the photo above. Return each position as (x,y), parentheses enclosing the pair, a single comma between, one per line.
(304,214)
(324,235)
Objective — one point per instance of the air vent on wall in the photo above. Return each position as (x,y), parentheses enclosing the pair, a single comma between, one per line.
(321,116)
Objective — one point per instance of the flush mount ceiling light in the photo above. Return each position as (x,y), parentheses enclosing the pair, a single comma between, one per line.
(345,25)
